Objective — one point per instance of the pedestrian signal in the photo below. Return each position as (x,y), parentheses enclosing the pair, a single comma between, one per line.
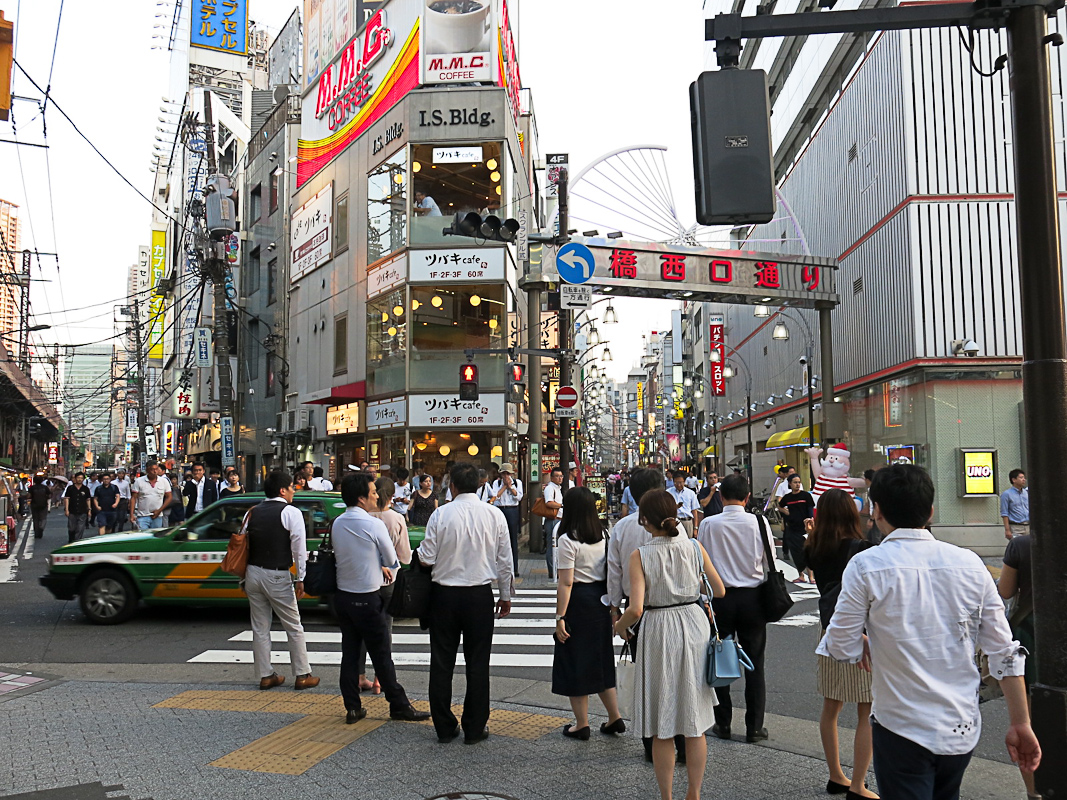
(516,382)
(468,382)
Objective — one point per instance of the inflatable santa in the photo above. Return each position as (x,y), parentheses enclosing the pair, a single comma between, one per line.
(832,472)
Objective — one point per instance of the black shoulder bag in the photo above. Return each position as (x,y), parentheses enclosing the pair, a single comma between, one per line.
(773,592)
(320,575)
(411,595)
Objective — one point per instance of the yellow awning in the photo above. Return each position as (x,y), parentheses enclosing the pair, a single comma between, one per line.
(797,437)
(708,451)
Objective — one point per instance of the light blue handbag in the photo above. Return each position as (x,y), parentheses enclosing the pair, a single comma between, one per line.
(725,658)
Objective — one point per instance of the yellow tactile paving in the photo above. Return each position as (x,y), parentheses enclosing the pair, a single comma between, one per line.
(321,731)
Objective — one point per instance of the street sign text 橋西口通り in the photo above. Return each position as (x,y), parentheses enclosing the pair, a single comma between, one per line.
(641,269)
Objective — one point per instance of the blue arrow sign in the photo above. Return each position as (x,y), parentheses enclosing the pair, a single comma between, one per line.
(574,263)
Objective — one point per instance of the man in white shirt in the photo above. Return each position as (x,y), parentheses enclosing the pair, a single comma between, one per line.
(692,482)
(318,482)
(426,206)
(149,497)
(123,483)
(925,605)
(402,492)
(199,492)
(468,546)
(733,541)
(507,494)
(277,543)
(553,495)
(688,505)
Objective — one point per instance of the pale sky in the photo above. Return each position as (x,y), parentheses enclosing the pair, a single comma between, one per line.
(602,78)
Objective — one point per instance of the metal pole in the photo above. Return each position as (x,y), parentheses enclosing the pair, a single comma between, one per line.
(533,382)
(811,407)
(566,340)
(1044,332)
(748,413)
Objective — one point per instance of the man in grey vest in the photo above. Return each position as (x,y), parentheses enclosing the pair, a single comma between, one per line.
(276,541)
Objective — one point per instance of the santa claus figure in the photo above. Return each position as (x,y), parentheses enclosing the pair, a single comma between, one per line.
(832,472)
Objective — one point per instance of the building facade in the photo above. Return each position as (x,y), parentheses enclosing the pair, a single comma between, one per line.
(10,289)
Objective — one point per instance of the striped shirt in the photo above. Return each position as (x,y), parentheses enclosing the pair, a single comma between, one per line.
(825,483)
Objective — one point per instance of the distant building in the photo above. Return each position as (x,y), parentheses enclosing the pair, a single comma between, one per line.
(10,264)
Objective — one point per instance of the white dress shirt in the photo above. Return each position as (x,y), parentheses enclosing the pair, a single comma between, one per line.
(734,547)
(507,498)
(199,506)
(688,500)
(627,535)
(362,546)
(553,493)
(468,544)
(320,485)
(925,606)
(292,521)
(123,487)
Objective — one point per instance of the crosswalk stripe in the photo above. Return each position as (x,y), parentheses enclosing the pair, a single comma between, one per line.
(332,658)
(332,637)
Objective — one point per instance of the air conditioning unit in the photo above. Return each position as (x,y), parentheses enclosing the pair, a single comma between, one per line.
(296,420)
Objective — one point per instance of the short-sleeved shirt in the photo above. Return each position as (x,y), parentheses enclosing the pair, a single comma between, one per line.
(554,494)
(149,497)
(1015,505)
(107,496)
(1017,555)
(800,505)
(589,561)
(39,496)
(628,500)
(78,498)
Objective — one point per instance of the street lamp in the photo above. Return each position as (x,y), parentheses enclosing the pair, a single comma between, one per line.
(761,311)
(610,316)
(781,334)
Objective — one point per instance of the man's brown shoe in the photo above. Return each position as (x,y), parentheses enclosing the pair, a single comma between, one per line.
(308,681)
(271,681)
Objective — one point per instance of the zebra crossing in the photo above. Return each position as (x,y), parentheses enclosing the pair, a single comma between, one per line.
(522,640)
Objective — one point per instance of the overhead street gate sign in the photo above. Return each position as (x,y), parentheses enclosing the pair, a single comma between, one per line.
(642,269)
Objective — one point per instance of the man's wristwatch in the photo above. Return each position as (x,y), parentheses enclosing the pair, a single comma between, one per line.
(559,617)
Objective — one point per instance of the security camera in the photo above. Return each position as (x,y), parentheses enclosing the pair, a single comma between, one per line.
(767,423)
(803,360)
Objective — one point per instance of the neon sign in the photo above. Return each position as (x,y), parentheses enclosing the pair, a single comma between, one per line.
(345,89)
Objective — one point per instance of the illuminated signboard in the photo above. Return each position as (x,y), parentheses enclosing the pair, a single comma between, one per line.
(156,313)
(978,472)
(220,25)
(718,345)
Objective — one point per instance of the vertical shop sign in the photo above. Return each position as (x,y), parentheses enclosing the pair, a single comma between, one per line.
(718,345)
(157,271)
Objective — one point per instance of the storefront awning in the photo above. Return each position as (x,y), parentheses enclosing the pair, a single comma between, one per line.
(341,395)
(797,437)
(708,451)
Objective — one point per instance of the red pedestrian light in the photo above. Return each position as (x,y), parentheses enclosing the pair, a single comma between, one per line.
(468,382)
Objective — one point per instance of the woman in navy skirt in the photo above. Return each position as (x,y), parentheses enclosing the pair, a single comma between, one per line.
(583,662)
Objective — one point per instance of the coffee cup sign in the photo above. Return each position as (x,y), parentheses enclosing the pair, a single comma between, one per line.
(457,41)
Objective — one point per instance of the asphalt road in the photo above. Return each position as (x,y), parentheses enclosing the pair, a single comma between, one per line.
(37,628)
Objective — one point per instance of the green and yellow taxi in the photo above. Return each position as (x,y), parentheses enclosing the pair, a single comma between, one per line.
(111,574)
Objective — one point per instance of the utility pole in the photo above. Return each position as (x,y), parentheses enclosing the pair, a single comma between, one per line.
(217,270)
(566,343)
(1044,333)
(533,382)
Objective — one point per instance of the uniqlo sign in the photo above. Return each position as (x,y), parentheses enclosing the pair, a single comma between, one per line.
(718,345)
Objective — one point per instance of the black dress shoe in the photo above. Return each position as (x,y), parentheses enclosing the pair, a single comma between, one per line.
(757,736)
(618,726)
(833,787)
(576,733)
(409,714)
(478,737)
(722,733)
(448,737)
(354,715)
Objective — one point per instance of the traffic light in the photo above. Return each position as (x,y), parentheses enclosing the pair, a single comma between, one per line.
(7,38)
(516,382)
(732,162)
(468,382)
(491,228)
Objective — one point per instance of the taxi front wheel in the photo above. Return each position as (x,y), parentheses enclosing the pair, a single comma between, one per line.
(107,597)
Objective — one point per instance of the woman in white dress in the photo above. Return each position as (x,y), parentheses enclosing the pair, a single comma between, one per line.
(671,697)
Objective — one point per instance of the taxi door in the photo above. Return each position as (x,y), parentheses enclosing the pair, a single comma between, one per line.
(200,545)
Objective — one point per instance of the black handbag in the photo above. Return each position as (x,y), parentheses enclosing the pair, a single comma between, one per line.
(411,595)
(773,592)
(320,575)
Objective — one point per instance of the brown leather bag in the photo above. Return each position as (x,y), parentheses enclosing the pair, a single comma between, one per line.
(541,509)
(235,561)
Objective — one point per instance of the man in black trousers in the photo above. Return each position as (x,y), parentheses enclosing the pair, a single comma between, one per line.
(468,546)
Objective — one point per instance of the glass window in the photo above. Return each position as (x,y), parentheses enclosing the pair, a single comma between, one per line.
(251,282)
(252,346)
(387,341)
(433,451)
(340,224)
(387,207)
(219,521)
(447,180)
(340,344)
(255,205)
(275,178)
(272,281)
(447,321)
(316,520)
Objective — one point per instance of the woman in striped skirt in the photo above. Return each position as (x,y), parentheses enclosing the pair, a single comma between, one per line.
(671,697)
(834,536)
